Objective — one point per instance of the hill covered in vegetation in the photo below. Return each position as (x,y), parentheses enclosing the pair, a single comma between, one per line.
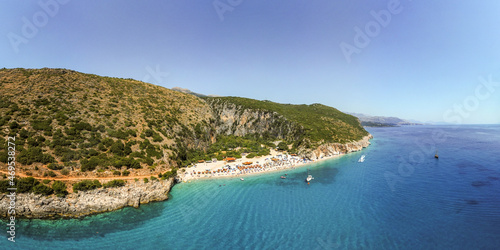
(68,123)
(314,123)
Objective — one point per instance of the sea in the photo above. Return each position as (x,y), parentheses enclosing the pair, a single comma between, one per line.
(400,197)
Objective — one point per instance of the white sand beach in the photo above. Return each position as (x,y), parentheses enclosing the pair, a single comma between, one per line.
(242,167)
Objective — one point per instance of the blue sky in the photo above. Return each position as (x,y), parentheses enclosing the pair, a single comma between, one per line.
(425,63)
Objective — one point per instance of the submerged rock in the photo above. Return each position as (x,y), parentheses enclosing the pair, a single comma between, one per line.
(479,183)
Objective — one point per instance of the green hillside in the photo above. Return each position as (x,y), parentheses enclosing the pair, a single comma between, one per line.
(68,123)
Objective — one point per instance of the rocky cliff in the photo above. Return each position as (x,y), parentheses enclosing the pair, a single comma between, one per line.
(89,202)
(231,119)
(329,149)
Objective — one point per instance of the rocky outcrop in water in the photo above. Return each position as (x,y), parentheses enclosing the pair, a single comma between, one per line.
(329,149)
(89,202)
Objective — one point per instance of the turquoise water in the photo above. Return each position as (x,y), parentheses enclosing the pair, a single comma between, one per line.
(399,198)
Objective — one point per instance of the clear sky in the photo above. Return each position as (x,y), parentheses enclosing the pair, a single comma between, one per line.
(424,62)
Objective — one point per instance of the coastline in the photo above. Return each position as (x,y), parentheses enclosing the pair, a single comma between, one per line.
(81,204)
(264,171)
(84,203)
(265,164)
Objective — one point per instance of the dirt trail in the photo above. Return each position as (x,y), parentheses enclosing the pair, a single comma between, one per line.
(81,178)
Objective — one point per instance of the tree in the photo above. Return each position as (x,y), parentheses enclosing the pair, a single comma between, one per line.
(50,173)
(26,185)
(34,154)
(118,148)
(86,185)
(42,189)
(55,166)
(114,183)
(64,171)
(59,188)
(282,146)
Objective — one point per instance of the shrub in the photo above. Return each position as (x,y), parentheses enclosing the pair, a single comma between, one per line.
(90,164)
(125,173)
(14,125)
(41,125)
(3,156)
(154,178)
(148,161)
(26,185)
(157,138)
(114,183)
(49,173)
(116,172)
(82,126)
(120,134)
(59,188)
(86,185)
(282,146)
(251,155)
(42,189)
(4,185)
(149,132)
(55,166)
(46,181)
(24,134)
(146,180)
(65,171)
(118,148)
(34,154)
(169,174)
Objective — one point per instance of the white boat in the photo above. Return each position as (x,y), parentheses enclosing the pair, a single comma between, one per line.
(362,159)
(309,177)
(242,179)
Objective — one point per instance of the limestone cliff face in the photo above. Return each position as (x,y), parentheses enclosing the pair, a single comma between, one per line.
(329,149)
(231,119)
(89,202)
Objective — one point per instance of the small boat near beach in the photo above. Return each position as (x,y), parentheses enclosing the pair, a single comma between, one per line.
(241,179)
(283,177)
(362,159)
(309,177)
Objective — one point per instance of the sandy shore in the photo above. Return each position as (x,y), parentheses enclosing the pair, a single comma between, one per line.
(276,161)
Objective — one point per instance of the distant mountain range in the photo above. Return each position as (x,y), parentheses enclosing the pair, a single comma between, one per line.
(383,121)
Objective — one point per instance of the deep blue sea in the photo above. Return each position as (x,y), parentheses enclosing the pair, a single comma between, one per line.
(401,197)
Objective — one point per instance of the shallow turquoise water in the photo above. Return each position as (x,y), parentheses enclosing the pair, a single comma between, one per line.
(399,198)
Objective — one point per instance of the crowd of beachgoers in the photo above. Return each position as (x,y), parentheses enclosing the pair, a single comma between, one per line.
(240,167)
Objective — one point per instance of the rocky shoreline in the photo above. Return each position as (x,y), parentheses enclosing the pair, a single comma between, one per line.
(133,194)
(330,149)
(86,203)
